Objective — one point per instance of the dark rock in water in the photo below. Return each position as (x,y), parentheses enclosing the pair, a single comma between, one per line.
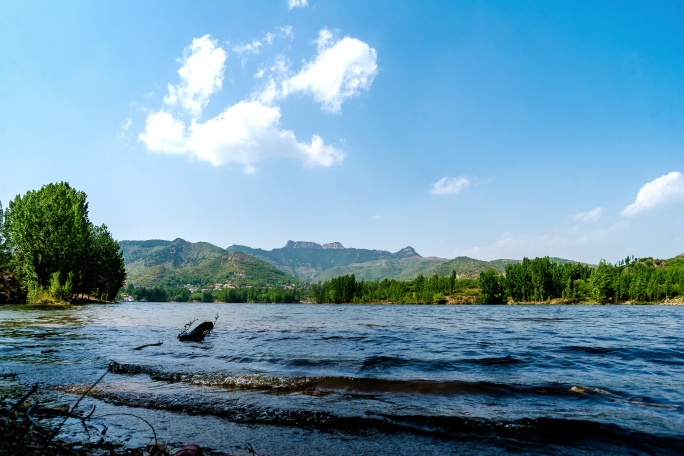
(197,334)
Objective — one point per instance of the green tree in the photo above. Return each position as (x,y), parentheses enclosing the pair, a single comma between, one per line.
(4,253)
(542,278)
(104,273)
(439,298)
(452,281)
(47,231)
(56,248)
(492,286)
(518,280)
(602,282)
(637,288)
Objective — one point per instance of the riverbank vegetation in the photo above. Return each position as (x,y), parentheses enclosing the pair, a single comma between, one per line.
(246,294)
(538,280)
(50,251)
(631,280)
(429,290)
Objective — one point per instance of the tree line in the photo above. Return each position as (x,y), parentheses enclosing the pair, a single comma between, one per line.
(235,295)
(433,289)
(531,280)
(52,251)
(629,280)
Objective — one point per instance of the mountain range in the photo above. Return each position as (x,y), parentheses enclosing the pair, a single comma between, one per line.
(179,262)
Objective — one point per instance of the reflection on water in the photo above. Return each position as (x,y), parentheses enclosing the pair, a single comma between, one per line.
(495,379)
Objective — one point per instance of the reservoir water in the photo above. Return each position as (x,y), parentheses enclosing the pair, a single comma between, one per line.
(351,379)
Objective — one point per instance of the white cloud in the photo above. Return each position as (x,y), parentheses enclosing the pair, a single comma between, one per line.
(243,133)
(123,131)
(286,32)
(297,3)
(165,134)
(325,38)
(250,130)
(660,191)
(256,46)
(341,70)
(449,186)
(201,76)
(589,216)
(250,48)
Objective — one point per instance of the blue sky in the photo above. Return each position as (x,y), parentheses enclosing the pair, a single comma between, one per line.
(492,129)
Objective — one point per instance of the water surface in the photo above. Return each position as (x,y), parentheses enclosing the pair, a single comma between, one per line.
(352,379)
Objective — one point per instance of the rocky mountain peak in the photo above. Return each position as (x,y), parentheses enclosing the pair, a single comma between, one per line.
(302,245)
(333,245)
(407,252)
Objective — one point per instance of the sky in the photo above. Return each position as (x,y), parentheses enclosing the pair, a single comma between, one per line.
(488,129)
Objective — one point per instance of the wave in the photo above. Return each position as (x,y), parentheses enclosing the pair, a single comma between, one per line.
(594,436)
(348,385)
(439,365)
(384,363)
(231,382)
(670,356)
(362,386)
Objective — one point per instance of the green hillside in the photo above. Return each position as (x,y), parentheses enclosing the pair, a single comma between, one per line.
(467,267)
(311,262)
(179,262)
(179,253)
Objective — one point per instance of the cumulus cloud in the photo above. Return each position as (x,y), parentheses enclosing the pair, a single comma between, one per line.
(297,3)
(589,216)
(244,133)
(250,131)
(658,192)
(341,70)
(201,76)
(449,186)
(163,133)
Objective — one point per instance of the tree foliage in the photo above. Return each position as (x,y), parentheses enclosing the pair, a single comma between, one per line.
(531,280)
(421,290)
(541,279)
(630,280)
(4,253)
(235,295)
(492,288)
(56,248)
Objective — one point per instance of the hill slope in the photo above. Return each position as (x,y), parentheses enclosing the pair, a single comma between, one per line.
(171,263)
(179,262)
(311,262)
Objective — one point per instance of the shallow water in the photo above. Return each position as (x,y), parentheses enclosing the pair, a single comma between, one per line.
(351,379)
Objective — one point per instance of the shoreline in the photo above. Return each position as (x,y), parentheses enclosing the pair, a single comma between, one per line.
(678,301)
